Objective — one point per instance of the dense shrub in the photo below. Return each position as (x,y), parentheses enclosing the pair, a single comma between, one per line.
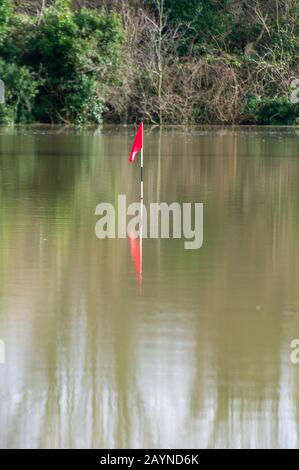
(273,111)
(72,58)
(21,90)
(5,14)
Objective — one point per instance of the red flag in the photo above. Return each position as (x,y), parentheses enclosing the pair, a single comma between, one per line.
(137,144)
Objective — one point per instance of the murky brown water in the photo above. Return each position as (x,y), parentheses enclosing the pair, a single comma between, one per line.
(200,357)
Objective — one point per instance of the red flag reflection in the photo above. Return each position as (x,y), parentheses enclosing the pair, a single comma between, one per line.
(136,256)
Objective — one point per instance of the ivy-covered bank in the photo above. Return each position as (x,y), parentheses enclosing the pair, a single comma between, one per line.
(166,61)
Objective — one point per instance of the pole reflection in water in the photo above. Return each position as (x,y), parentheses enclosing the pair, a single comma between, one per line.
(136,255)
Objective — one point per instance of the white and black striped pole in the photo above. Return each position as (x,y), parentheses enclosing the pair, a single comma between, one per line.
(141,204)
(141,169)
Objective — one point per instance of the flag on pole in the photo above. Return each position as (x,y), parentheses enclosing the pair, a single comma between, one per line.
(136,252)
(137,144)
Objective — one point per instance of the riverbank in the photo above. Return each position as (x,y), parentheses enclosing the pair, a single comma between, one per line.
(192,62)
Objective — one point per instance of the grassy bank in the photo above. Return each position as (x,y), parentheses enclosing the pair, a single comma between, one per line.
(178,62)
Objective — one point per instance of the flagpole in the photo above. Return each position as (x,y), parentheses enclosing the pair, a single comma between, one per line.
(141,204)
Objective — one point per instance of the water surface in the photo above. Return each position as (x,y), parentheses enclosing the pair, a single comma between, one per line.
(201,356)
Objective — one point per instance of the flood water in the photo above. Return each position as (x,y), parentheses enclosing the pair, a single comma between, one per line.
(199,356)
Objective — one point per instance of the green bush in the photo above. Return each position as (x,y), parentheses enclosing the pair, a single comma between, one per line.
(21,88)
(83,102)
(72,57)
(272,111)
(5,14)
